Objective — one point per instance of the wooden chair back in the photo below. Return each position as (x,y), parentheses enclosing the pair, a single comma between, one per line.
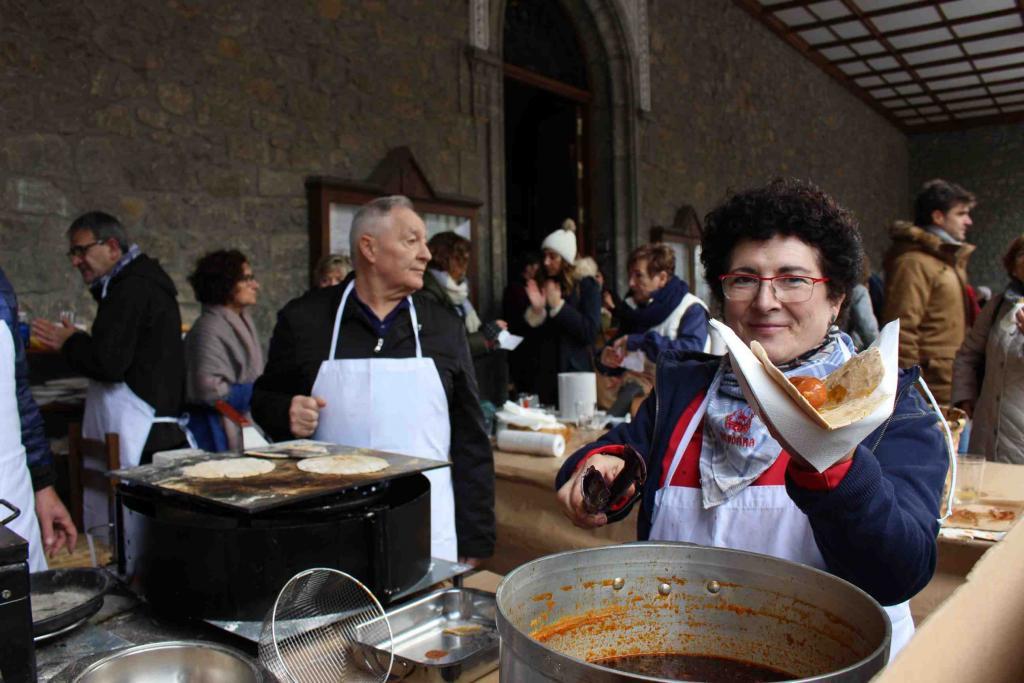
(81,478)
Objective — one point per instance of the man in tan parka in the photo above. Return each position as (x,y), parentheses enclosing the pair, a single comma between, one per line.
(926,282)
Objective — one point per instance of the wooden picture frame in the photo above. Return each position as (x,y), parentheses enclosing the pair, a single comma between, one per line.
(684,239)
(334,201)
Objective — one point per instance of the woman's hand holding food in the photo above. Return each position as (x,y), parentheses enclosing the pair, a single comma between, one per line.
(570,496)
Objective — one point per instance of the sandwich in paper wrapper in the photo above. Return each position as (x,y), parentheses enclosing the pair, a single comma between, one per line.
(857,397)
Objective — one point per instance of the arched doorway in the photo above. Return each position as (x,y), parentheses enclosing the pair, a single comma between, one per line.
(547,114)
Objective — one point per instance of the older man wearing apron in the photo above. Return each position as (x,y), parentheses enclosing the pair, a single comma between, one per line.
(367,364)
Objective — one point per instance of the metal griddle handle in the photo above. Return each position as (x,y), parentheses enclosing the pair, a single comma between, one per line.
(15,512)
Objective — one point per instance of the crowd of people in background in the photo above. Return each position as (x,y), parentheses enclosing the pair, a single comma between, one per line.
(147,380)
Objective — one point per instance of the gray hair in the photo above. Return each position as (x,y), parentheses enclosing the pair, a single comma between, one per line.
(103,227)
(368,219)
(332,262)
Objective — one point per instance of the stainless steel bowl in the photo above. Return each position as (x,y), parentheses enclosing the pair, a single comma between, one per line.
(558,614)
(181,661)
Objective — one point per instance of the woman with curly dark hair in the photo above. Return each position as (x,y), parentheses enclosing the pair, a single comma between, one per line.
(222,350)
(781,260)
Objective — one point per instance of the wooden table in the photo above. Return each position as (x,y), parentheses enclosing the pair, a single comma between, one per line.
(530,523)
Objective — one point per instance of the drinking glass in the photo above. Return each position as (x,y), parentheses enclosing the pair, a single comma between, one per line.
(970,471)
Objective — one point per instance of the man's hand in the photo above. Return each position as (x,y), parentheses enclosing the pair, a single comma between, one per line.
(607,300)
(55,525)
(534,294)
(52,336)
(968,407)
(304,415)
(473,562)
(552,293)
(570,496)
(1020,320)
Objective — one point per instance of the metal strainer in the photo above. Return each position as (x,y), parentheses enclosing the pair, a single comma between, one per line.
(323,628)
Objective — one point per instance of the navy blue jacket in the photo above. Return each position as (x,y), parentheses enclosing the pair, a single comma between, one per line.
(33,438)
(877,529)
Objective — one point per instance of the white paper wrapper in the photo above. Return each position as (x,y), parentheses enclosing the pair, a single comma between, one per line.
(534,443)
(819,446)
(529,418)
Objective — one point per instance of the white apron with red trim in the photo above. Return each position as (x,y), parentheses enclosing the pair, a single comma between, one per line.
(760,519)
(397,405)
(15,481)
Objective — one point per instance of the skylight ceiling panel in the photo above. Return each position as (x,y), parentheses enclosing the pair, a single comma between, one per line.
(868,47)
(1005,60)
(795,16)
(769,3)
(930,110)
(906,112)
(898,77)
(960,94)
(883,63)
(831,9)
(1003,75)
(1016,107)
(969,104)
(944,70)
(918,101)
(945,83)
(973,114)
(987,26)
(835,53)
(911,40)
(912,89)
(872,5)
(1005,87)
(869,81)
(969,8)
(851,29)
(909,19)
(894,104)
(854,68)
(978,47)
(817,36)
(879,93)
(936,119)
(933,54)
(1009,99)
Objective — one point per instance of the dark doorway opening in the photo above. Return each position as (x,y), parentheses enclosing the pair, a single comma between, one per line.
(542,162)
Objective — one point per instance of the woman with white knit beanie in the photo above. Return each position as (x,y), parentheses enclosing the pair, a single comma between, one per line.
(566,310)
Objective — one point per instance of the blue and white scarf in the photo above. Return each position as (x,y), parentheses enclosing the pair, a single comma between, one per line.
(126,258)
(737,448)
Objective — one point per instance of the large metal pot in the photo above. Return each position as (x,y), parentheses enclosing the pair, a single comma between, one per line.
(559,613)
(170,662)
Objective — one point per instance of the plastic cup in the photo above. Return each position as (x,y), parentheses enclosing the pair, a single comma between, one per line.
(102,541)
(970,473)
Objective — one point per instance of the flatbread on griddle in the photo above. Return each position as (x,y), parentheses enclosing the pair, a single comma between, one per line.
(228,468)
(860,377)
(343,464)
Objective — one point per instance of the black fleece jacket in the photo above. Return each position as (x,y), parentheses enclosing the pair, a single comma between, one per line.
(302,340)
(136,339)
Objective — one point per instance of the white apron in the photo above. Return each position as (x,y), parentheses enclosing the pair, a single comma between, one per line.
(397,405)
(15,481)
(743,522)
(113,408)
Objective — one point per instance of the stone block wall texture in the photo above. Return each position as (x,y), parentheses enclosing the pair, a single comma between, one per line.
(197,123)
(734,106)
(988,161)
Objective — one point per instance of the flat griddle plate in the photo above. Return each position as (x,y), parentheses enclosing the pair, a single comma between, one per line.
(284,485)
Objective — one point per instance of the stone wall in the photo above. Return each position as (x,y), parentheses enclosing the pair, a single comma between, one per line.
(988,162)
(197,123)
(734,106)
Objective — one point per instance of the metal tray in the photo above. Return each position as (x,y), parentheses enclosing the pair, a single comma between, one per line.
(448,635)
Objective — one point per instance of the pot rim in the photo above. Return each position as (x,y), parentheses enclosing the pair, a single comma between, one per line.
(561,659)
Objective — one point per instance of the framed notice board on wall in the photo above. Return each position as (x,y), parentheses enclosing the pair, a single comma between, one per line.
(333,203)
(684,239)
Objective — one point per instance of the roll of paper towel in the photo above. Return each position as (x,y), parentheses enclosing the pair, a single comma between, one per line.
(577,393)
(535,443)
